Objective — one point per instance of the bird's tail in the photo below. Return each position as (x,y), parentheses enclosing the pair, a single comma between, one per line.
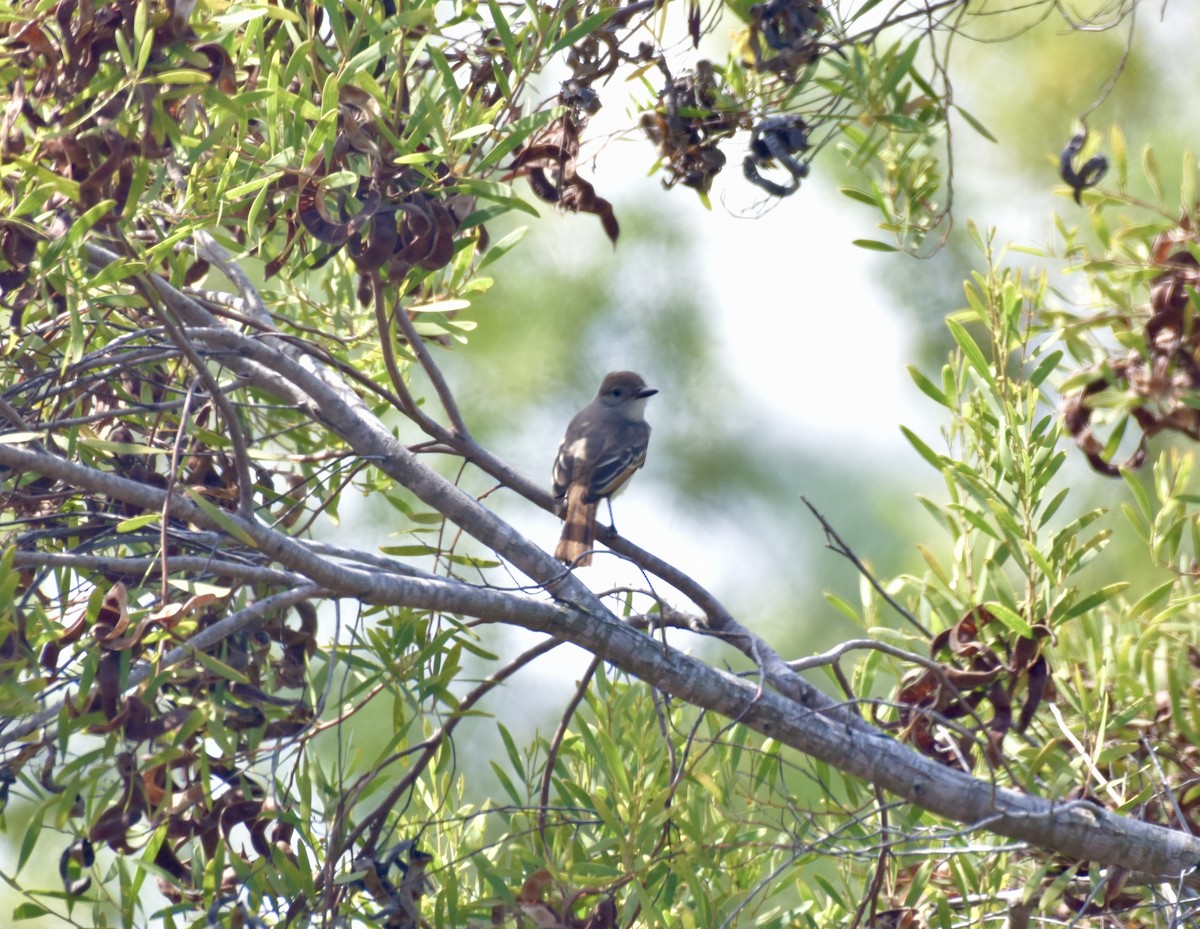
(579,530)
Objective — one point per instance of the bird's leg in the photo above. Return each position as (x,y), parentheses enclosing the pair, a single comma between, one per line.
(612,522)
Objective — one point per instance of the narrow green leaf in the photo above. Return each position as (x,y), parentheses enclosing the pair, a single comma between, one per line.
(136,522)
(975,124)
(978,521)
(900,68)
(1037,558)
(1152,600)
(366,58)
(865,7)
(927,387)
(873,245)
(1091,601)
(510,747)
(509,787)
(1045,367)
(585,28)
(934,510)
(236,17)
(178,76)
(20,438)
(449,81)
(860,195)
(33,832)
(1052,506)
(971,350)
(832,892)
(439,306)
(502,248)
(472,131)
(500,21)
(1150,166)
(1187,188)
(222,670)
(1120,155)
(1010,618)
(145,47)
(842,607)
(922,449)
(234,193)
(84,223)
(220,517)
(518,132)
(1140,496)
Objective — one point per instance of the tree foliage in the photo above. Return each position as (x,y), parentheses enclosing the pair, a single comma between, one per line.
(231,234)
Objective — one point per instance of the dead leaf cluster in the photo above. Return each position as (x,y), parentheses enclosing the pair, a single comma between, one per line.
(1162,382)
(167,772)
(940,710)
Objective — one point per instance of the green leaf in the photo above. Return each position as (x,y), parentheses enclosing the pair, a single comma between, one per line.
(1010,618)
(1045,367)
(860,195)
(28,911)
(922,449)
(518,132)
(20,438)
(874,245)
(1187,188)
(587,27)
(510,747)
(865,7)
(842,607)
(85,222)
(500,21)
(1153,599)
(438,306)
(975,124)
(472,131)
(136,522)
(1037,558)
(1120,155)
(1140,496)
(178,76)
(509,787)
(1150,166)
(238,16)
(365,59)
(1091,601)
(220,517)
(33,832)
(927,387)
(1052,506)
(501,248)
(900,68)
(971,350)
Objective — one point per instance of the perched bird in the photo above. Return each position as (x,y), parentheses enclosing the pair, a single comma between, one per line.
(604,444)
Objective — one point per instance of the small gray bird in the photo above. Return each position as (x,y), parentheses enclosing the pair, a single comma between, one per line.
(604,444)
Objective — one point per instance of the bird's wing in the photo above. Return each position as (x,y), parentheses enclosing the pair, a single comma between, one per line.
(616,465)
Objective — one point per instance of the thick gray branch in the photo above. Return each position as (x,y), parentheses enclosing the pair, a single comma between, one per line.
(1077,830)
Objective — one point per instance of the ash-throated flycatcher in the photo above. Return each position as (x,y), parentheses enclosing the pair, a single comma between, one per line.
(605,443)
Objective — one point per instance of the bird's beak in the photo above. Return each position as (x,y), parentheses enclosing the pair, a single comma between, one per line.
(646,392)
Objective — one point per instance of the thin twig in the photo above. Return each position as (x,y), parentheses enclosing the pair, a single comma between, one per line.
(556,743)
(445,395)
(408,404)
(172,473)
(834,543)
